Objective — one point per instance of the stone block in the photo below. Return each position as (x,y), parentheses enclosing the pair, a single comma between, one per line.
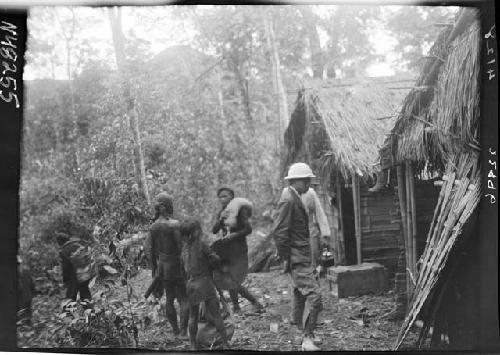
(357,280)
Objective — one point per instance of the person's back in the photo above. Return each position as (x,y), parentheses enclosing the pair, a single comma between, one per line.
(166,263)
(199,261)
(75,244)
(166,248)
(79,255)
(195,258)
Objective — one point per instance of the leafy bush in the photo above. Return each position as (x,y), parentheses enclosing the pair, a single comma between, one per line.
(98,324)
(79,324)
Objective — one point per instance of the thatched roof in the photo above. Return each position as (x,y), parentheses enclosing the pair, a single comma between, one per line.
(440,116)
(356,117)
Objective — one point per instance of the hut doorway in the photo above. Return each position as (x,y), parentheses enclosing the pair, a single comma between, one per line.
(347,208)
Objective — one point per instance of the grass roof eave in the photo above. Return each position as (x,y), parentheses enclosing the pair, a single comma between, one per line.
(438,122)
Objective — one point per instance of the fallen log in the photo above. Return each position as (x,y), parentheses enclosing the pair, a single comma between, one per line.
(261,256)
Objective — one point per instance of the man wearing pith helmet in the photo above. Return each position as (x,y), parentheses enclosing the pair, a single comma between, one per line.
(291,235)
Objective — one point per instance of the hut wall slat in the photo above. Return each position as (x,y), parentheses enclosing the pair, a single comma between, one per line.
(381,227)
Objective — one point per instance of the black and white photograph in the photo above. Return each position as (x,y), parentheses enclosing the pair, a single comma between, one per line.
(266,177)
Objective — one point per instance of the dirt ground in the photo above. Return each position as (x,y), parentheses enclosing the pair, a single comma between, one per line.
(354,323)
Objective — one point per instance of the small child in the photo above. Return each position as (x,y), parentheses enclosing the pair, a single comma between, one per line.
(198,262)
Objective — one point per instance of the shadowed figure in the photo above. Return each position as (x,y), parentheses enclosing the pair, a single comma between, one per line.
(76,265)
(198,262)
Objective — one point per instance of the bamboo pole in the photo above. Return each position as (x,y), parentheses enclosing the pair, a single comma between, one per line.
(414,218)
(457,204)
(357,225)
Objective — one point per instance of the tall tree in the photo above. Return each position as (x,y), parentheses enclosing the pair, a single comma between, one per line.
(348,48)
(310,21)
(416,28)
(233,33)
(115,20)
(279,89)
(41,50)
(68,25)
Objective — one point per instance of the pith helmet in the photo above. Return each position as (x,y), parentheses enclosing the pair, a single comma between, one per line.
(299,171)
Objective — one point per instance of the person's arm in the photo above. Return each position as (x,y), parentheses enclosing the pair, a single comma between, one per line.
(148,249)
(281,230)
(213,258)
(322,220)
(219,224)
(154,250)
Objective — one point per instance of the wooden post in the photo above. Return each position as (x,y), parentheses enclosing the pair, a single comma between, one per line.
(357,216)
(341,239)
(402,208)
(402,201)
(414,219)
(409,220)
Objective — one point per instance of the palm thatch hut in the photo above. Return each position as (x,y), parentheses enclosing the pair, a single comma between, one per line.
(437,134)
(338,127)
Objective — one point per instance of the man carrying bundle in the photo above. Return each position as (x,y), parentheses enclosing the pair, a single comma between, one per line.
(166,264)
(291,235)
(233,225)
(77,264)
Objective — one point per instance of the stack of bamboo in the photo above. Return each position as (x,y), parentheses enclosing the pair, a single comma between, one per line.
(458,199)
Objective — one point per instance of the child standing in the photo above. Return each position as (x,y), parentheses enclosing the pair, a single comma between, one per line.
(198,262)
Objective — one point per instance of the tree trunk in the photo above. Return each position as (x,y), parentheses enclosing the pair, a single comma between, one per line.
(245,97)
(317,57)
(220,97)
(73,151)
(279,89)
(131,110)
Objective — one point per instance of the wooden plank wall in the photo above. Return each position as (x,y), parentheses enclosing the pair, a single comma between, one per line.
(381,227)
(381,222)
